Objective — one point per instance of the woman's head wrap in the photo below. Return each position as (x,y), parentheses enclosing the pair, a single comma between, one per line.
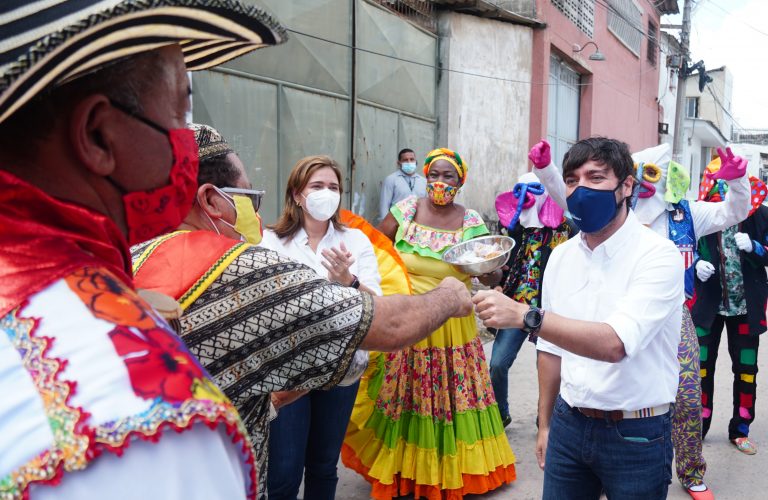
(451,157)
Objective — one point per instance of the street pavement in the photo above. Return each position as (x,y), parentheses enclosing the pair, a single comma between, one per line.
(731,475)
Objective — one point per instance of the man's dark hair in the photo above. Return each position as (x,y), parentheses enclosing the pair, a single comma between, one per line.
(603,151)
(218,171)
(125,81)
(402,152)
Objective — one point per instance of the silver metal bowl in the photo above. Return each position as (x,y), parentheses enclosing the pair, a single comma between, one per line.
(452,255)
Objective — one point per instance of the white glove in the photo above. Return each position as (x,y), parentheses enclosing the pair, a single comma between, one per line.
(704,270)
(743,242)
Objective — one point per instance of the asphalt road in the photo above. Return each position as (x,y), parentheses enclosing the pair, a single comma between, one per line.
(731,475)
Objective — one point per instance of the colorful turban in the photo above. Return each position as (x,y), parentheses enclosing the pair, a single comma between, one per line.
(451,157)
(210,143)
(714,189)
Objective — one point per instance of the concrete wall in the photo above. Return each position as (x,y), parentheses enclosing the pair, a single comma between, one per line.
(485,119)
(618,95)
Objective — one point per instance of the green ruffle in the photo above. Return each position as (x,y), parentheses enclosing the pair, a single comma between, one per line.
(403,246)
(424,432)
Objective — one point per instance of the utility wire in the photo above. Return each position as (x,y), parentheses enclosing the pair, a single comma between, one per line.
(721,9)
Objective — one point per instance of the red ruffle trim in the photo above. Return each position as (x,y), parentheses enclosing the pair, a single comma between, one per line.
(473,484)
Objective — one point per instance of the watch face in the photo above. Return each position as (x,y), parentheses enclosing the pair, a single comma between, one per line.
(532,318)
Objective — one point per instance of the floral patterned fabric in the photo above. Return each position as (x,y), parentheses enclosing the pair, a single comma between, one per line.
(142,382)
(414,237)
(733,303)
(426,421)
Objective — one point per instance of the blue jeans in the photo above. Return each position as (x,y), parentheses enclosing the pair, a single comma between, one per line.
(505,348)
(305,441)
(629,459)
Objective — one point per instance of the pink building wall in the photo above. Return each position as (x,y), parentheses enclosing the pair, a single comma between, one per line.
(619,98)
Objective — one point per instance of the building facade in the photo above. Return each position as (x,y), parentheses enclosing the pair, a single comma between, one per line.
(576,93)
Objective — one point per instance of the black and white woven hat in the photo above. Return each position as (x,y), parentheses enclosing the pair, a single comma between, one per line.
(44,43)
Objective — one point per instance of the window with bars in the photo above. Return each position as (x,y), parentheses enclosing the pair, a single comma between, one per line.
(653,44)
(580,12)
(625,21)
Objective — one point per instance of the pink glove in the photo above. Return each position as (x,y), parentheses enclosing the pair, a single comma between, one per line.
(540,155)
(731,167)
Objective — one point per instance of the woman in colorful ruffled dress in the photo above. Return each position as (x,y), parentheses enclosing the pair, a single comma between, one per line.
(432,427)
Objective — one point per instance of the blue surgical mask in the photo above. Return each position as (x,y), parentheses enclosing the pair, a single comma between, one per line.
(592,209)
(408,168)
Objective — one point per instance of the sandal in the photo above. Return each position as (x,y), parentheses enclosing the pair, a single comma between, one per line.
(745,445)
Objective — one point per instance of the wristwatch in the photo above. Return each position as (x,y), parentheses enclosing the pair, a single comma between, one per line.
(355,282)
(532,320)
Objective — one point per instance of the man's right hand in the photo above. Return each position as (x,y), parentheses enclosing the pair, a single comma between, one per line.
(540,154)
(541,446)
(463,305)
(704,270)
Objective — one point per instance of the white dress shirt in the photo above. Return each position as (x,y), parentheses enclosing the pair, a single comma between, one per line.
(365,266)
(633,282)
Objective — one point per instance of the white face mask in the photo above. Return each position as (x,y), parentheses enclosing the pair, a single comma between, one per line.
(321,205)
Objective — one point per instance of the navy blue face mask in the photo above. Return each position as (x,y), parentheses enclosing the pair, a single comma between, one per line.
(592,209)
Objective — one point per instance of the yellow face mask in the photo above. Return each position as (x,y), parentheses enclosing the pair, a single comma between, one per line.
(247,222)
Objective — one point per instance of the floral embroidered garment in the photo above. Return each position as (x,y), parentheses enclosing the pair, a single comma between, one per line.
(426,421)
(100,397)
(92,369)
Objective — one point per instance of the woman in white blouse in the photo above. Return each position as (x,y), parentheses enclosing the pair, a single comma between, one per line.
(308,433)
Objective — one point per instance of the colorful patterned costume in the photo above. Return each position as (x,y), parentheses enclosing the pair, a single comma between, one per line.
(96,380)
(734,297)
(431,426)
(259,322)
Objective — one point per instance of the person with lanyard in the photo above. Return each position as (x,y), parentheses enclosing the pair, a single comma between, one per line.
(537,224)
(100,397)
(260,321)
(306,436)
(608,331)
(431,426)
(402,183)
(659,203)
(731,291)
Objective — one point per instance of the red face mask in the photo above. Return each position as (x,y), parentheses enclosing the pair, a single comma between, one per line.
(161,210)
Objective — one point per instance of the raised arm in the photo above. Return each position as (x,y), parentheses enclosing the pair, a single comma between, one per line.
(711,218)
(548,173)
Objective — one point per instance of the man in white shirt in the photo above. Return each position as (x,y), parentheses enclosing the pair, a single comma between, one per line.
(613,299)
(402,183)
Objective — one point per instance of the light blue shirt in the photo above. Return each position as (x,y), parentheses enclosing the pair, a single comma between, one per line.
(399,186)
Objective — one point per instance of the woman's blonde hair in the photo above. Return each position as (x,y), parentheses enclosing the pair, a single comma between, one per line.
(292,217)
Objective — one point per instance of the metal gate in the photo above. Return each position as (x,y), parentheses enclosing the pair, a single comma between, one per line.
(316,94)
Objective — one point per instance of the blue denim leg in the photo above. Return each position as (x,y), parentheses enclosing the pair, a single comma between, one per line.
(505,348)
(287,444)
(330,415)
(630,459)
(567,475)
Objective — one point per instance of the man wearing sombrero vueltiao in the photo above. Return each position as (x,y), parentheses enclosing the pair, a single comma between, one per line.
(99,397)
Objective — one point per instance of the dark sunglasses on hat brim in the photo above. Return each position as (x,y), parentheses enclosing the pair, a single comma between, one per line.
(254,194)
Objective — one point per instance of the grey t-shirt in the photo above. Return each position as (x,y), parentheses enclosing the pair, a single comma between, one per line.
(399,186)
